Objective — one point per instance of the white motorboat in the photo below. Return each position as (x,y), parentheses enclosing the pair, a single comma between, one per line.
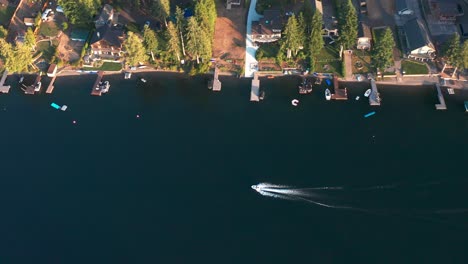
(37,88)
(295,102)
(256,187)
(368,92)
(327,94)
(143,80)
(357,97)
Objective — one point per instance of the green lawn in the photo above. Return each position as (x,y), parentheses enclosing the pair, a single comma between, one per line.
(107,66)
(47,50)
(328,61)
(49,29)
(5,14)
(412,67)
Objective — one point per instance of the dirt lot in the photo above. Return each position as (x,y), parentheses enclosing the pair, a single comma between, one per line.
(229,37)
(69,50)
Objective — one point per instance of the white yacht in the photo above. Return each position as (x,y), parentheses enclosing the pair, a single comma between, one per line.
(368,92)
(327,94)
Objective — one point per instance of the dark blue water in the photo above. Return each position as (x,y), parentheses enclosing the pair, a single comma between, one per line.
(173,186)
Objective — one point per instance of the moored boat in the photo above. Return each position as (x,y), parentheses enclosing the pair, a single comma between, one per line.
(327,94)
(368,92)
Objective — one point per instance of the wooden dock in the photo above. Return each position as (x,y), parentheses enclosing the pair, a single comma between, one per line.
(96,89)
(215,84)
(441,105)
(4,88)
(30,88)
(340,94)
(51,86)
(374,97)
(255,89)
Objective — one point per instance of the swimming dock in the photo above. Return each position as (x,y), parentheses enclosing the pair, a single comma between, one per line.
(441,105)
(4,88)
(96,87)
(374,97)
(340,94)
(30,89)
(51,86)
(215,84)
(255,89)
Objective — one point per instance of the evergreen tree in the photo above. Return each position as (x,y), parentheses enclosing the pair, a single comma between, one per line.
(30,39)
(347,25)
(134,50)
(465,55)
(316,42)
(453,51)
(301,27)
(80,11)
(198,44)
(173,43)
(150,41)
(161,9)
(3,32)
(291,41)
(308,12)
(15,58)
(205,12)
(383,50)
(180,24)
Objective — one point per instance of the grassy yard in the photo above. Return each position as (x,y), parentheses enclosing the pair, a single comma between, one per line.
(5,14)
(49,29)
(47,50)
(263,5)
(412,67)
(362,62)
(328,61)
(107,66)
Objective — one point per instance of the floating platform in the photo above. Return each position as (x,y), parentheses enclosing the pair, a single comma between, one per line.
(369,114)
(441,105)
(340,94)
(4,88)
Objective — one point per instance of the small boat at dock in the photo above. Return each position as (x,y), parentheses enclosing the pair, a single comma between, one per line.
(368,92)
(37,88)
(327,94)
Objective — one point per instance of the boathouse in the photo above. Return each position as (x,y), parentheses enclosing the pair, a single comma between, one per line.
(52,70)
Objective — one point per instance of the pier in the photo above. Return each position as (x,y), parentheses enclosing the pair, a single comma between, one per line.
(441,105)
(31,89)
(215,84)
(96,87)
(374,97)
(51,86)
(255,89)
(340,94)
(4,88)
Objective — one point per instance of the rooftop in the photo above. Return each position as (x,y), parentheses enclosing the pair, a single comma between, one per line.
(416,35)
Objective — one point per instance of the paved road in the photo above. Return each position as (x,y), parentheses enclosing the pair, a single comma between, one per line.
(251,63)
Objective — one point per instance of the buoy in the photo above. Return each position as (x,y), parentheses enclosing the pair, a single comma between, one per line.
(74,121)
(295,102)
(138,116)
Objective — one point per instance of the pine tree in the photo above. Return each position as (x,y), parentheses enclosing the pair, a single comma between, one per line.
(383,50)
(23,57)
(301,27)
(291,41)
(150,41)
(315,40)
(3,32)
(30,39)
(197,43)
(161,9)
(465,54)
(347,25)
(205,12)
(180,24)
(134,50)
(173,43)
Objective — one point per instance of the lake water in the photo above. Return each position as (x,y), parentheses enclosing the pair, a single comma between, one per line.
(173,185)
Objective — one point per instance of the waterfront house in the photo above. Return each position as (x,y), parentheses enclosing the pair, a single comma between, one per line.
(52,70)
(418,42)
(269,28)
(364,36)
(106,43)
(330,23)
(402,8)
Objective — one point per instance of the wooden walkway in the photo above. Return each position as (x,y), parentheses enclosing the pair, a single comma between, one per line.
(51,86)
(96,90)
(215,84)
(4,88)
(374,97)
(340,94)
(441,105)
(255,89)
